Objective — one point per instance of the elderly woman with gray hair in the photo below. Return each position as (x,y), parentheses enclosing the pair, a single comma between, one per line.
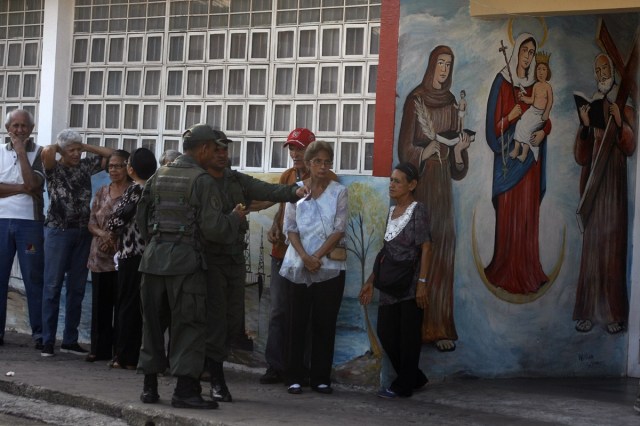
(66,236)
(314,269)
(168,156)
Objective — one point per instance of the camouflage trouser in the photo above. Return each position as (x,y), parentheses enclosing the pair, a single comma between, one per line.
(225,307)
(181,302)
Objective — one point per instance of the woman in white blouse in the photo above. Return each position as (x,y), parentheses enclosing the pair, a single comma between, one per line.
(314,226)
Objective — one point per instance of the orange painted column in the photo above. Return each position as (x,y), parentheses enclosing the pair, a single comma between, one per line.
(386,88)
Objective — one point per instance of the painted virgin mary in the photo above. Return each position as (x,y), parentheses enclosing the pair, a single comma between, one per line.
(518,186)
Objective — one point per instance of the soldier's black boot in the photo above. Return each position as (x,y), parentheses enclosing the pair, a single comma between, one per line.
(150,389)
(219,390)
(187,395)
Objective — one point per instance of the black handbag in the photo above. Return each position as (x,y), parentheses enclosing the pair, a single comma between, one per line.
(391,276)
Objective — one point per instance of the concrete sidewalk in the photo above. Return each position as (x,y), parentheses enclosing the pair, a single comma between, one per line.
(67,379)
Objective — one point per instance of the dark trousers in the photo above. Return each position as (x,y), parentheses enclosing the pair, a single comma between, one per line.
(225,307)
(317,304)
(182,299)
(104,287)
(129,331)
(399,330)
(277,340)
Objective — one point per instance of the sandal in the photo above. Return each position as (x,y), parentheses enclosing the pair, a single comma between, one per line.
(114,364)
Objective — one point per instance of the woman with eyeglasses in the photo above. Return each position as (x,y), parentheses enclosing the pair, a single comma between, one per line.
(104,276)
(315,270)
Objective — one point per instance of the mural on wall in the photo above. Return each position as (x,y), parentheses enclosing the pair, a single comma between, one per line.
(605,138)
(517,240)
(431,111)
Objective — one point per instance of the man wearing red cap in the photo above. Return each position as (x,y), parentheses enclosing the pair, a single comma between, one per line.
(277,340)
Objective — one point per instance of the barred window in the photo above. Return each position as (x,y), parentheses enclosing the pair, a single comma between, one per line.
(146,70)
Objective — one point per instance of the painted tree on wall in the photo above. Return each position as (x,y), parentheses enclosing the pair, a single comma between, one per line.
(367,215)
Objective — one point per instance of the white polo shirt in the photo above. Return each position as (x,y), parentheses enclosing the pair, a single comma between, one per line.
(19,206)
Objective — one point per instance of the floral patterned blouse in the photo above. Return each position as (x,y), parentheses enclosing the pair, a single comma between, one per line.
(69,191)
(123,222)
(102,207)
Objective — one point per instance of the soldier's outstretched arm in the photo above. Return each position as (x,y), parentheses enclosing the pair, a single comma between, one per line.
(214,225)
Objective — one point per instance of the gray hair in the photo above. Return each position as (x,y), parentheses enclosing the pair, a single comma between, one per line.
(11,114)
(168,156)
(315,147)
(68,137)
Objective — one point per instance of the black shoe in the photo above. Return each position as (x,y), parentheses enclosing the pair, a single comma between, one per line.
(150,389)
(47,350)
(39,346)
(325,389)
(220,392)
(194,401)
(187,395)
(271,377)
(73,348)
(295,389)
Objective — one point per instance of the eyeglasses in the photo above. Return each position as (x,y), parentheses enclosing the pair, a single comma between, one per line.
(319,162)
(116,166)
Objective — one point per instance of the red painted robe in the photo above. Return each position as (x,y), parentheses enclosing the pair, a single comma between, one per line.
(518,188)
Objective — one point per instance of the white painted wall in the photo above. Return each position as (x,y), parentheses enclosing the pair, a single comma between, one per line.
(55,73)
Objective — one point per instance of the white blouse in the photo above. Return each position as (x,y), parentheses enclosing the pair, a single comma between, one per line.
(315,220)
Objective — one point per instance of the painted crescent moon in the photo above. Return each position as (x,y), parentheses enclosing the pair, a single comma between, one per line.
(543,24)
(501,293)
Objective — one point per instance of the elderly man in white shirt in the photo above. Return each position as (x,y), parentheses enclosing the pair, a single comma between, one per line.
(22,217)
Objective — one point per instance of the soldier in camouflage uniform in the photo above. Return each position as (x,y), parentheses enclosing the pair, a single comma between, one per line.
(178,212)
(226,263)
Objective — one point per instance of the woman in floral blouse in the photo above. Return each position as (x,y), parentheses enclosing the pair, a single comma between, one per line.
(142,165)
(104,276)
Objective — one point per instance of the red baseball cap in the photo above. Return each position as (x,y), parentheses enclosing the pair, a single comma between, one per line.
(300,137)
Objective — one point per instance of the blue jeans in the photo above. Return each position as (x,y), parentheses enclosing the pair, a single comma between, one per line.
(25,238)
(66,253)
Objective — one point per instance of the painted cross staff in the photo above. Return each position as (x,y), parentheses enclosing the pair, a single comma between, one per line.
(627,88)
(503,50)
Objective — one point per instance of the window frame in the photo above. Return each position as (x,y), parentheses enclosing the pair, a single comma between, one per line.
(316,87)
(337,163)
(349,133)
(184,113)
(250,57)
(262,132)
(243,119)
(342,83)
(267,82)
(244,154)
(229,39)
